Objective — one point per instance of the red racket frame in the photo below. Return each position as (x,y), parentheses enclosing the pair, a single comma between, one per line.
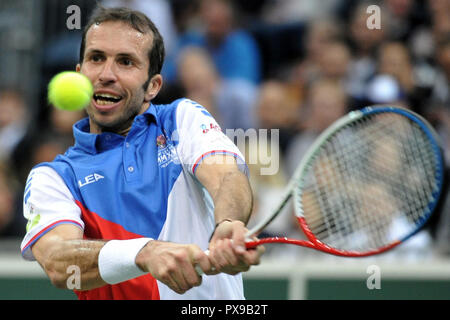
(315,243)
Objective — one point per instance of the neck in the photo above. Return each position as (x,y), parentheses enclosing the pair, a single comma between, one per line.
(124,132)
(121,126)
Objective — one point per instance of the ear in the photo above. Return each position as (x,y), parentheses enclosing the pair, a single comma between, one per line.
(153,88)
(78,67)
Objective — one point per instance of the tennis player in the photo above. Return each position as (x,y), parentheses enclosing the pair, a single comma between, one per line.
(146,189)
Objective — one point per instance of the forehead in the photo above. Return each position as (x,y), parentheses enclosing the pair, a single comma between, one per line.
(113,37)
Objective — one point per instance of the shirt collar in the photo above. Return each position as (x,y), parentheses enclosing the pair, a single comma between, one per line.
(93,143)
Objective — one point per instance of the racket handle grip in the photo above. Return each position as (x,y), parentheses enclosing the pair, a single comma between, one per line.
(249,244)
(197,267)
(199,270)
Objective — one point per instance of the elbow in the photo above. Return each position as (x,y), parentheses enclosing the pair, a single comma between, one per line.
(58,283)
(57,277)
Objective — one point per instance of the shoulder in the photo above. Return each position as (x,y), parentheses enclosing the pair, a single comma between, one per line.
(191,38)
(61,165)
(44,175)
(179,113)
(163,110)
(43,183)
(58,175)
(190,107)
(242,38)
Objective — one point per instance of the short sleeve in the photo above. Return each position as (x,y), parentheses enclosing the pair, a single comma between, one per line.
(47,203)
(200,136)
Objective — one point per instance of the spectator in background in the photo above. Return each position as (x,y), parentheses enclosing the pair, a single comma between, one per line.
(61,122)
(335,63)
(394,60)
(12,223)
(6,200)
(326,102)
(364,43)
(13,121)
(438,111)
(441,89)
(288,11)
(276,109)
(395,81)
(400,15)
(199,79)
(234,51)
(46,148)
(320,33)
(440,19)
(231,102)
(43,141)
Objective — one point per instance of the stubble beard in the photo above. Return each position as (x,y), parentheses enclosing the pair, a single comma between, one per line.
(124,121)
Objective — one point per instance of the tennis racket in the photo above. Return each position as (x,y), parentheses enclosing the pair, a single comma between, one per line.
(368,183)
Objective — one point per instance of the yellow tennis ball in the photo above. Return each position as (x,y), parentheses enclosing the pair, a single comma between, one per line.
(70,90)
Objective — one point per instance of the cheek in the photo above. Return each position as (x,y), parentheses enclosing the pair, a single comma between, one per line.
(136,95)
(88,72)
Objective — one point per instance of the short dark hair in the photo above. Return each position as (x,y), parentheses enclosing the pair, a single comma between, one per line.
(138,21)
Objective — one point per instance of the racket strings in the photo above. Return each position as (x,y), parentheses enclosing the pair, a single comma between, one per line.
(419,179)
(336,224)
(370,184)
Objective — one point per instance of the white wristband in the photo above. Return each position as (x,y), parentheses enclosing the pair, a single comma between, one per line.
(117,260)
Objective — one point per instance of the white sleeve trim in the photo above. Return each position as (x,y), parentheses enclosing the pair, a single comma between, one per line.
(48,202)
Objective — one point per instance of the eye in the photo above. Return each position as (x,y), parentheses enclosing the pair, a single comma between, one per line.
(96,58)
(126,61)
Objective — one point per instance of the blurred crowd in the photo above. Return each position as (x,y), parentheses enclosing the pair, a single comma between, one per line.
(291,65)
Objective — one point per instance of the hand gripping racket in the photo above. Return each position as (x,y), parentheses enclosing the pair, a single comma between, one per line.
(368,183)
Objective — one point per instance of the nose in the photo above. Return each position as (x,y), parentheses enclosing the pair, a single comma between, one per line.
(107,74)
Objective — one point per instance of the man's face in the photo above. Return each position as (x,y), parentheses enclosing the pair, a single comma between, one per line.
(116,61)
(217,16)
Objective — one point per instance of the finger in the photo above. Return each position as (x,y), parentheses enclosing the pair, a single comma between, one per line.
(181,270)
(193,256)
(212,269)
(220,254)
(180,280)
(215,266)
(190,276)
(175,286)
(170,279)
(253,256)
(228,253)
(201,262)
(238,240)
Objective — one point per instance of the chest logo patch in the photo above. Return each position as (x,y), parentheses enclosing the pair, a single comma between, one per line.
(166,152)
(90,179)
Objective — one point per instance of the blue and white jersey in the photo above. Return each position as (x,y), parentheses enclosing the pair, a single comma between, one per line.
(141,185)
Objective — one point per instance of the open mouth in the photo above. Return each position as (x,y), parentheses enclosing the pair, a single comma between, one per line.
(104,99)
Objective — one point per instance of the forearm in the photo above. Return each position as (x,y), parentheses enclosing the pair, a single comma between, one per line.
(70,258)
(233,199)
